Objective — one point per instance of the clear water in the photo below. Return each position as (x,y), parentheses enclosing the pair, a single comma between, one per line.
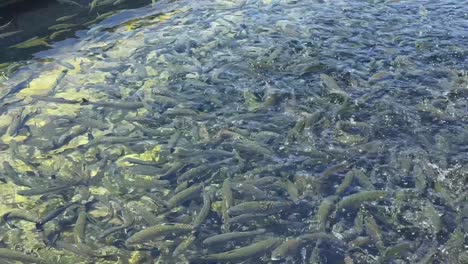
(330,131)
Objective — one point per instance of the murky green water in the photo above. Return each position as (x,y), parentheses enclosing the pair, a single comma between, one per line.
(242,132)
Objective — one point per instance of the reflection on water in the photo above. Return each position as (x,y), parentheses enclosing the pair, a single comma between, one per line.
(242,132)
(51,21)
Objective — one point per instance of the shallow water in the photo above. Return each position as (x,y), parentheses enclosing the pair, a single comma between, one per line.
(333,132)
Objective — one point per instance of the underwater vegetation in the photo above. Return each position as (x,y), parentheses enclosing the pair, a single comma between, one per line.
(241,132)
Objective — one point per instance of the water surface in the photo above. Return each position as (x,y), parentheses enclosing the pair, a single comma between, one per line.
(333,132)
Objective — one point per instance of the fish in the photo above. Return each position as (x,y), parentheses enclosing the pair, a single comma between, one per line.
(292,190)
(312,237)
(227,237)
(32,42)
(38,190)
(15,123)
(20,86)
(61,26)
(129,220)
(324,210)
(79,229)
(114,140)
(186,243)
(250,147)
(193,172)
(63,18)
(93,5)
(363,180)
(182,196)
(71,2)
(248,191)
(264,182)
(116,104)
(209,153)
(156,231)
(56,34)
(199,172)
(19,214)
(396,251)
(137,161)
(354,201)
(59,79)
(14,255)
(172,143)
(325,175)
(332,86)
(107,14)
(181,186)
(57,100)
(373,230)
(267,207)
(156,132)
(24,119)
(11,33)
(245,218)
(13,175)
(164,100)
(118,2)
(2,27)
(141,169)
(54,213)
(359,242)
(82,250)
(432,216)
(290,247)
(205,210)
(97,3)
(242,253)
(65,138)
(226,197)
(176,111)
(345,183)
